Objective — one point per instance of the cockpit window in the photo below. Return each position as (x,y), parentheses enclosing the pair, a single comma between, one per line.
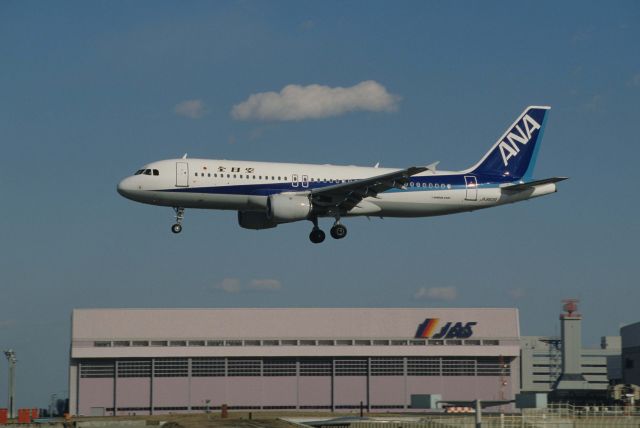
(147,172)
(138,172)
(156,172)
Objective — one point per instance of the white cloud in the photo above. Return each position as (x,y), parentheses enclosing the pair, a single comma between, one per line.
(193,109)
(265,285)
(437,293)
(234,285)
(229,285)
(516,293)
(295,102)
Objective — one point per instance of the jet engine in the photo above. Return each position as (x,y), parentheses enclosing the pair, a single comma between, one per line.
(285,208)
(254,220)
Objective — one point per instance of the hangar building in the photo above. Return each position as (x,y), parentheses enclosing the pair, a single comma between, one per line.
(143,361)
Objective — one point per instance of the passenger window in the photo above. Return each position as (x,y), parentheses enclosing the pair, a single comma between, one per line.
(254,177)
(234,176)
(240,175)
(272,177)
(196,174)
(278,178)
(228,176)
(156,172)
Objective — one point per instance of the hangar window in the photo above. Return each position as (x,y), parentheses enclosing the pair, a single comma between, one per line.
(423,366)
(472,342)
(171,367)
(102,344)
(344,342)
(178,343)
(491,342)
(398,342)
(251,343)
(381,343)
(456,367)
(134,368)
(279,367)
(418,342)
(387,367)
(436,342)
(325,342)
(205,367)
(289,342)
(362,342)
(196,343)
(158,343)
(121,343)
(140,343)
(456,342)
(271,342)
(97,369)
(243,367)
(307,343)
(233,342)
(215,342)
(156,172)
(491,366)
(315,367)
(351,367)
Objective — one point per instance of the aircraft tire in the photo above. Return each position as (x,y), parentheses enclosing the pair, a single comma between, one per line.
(176,228)
(316,236)
(338,231)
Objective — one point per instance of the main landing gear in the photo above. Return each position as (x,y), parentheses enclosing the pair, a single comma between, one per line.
(177,227)
(338,231)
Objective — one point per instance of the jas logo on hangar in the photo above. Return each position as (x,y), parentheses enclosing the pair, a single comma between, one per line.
(451,330)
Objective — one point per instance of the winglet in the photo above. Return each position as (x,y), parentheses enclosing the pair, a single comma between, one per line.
(184,156)
(432,166)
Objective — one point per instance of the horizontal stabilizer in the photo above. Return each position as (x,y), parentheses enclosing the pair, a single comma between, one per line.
(530,184)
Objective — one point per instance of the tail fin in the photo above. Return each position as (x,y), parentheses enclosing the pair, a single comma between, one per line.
(514,154)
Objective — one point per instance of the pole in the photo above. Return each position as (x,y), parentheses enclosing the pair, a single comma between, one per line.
(11,359)
(478,414)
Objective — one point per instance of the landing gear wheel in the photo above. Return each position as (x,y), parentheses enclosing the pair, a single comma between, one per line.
(177,228)
(316,236)
(338,231)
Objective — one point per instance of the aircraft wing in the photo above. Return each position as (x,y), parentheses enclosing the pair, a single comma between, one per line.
(530,184)
(345,196)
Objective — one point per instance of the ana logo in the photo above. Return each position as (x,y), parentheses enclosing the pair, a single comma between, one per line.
(451,330)
(509,146)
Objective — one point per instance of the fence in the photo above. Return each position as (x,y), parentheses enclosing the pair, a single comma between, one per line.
(555,416)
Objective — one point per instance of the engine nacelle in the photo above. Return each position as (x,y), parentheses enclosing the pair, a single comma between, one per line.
(284,208)
(254,220)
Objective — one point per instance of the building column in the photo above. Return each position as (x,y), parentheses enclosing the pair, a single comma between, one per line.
(115,388)
(151,382)
(368,384)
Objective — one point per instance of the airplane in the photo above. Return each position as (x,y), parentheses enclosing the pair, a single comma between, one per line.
(267,194)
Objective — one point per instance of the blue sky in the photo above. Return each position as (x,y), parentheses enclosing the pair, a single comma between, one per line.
(88,92)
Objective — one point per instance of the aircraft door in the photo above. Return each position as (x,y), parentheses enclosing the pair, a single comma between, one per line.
(182,174)
(471,183)
(294,180)
(305,181)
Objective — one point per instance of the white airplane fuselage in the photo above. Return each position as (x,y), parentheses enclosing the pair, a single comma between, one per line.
(266,194)
(207,187)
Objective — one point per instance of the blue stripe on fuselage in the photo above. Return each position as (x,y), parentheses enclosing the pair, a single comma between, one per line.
(421,183)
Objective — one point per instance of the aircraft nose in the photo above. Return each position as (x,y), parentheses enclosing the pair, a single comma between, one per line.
(126,187)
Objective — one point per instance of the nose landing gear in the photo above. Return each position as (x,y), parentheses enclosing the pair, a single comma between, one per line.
(177,227)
